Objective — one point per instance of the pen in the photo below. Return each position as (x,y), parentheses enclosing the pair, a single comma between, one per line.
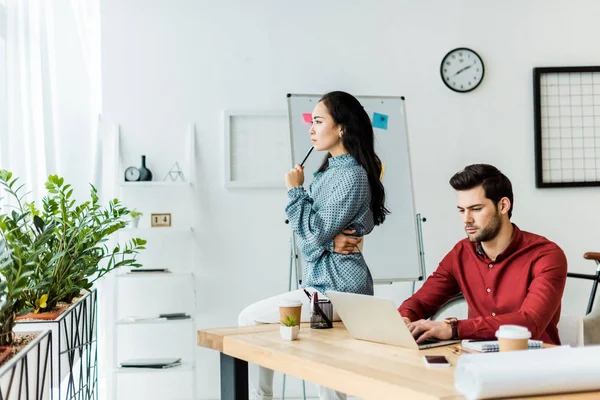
(307,294)
(306,156)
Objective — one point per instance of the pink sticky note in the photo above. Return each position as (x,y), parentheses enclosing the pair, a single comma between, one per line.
(307,118)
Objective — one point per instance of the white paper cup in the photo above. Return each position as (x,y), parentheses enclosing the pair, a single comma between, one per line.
(513,337)
(290,307)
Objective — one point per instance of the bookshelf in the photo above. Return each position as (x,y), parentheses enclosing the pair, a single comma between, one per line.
(139,298)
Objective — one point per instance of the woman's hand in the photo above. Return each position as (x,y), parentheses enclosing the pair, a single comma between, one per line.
(344,244)
(295,177)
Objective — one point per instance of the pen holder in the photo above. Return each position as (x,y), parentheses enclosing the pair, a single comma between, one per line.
(321,315)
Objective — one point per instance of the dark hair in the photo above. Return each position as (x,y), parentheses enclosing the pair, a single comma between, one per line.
(495,184)
(359,140)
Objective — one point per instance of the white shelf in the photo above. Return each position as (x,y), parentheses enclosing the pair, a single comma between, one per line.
(162,229)
(154,184)
(155,321)
(156,275)
(185,366)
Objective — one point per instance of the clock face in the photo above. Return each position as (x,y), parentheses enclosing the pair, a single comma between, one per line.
(462,70)
(132,174)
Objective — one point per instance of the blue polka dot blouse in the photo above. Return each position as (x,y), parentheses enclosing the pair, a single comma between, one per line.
(339,199)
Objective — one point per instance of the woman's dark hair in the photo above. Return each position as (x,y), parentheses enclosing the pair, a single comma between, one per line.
(495,184)
(359,140)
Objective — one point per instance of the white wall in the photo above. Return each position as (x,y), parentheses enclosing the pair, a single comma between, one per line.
(169,63)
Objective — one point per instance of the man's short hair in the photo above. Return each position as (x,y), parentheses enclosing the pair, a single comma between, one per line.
(495,184)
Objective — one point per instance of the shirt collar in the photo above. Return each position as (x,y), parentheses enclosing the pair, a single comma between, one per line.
(515,243)
(340,161)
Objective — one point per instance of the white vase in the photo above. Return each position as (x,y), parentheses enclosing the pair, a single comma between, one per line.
(289,332)
(135,222)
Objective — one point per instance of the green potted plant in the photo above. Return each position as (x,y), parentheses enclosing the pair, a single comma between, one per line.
(289,328)
(21,248)
(4,349)
(71,250)
(135,217)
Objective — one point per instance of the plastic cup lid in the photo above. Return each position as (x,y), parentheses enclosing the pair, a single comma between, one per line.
(290,303)
(513,332)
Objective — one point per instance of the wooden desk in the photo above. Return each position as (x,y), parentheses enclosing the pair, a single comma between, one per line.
(332,358)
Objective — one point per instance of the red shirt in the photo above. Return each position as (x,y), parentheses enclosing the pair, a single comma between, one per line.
(523,286)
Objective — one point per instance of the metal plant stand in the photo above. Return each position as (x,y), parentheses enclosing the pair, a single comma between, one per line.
(75,345)
(29,373)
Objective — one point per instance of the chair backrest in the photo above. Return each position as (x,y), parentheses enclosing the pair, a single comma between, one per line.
(455,307)
(570,330)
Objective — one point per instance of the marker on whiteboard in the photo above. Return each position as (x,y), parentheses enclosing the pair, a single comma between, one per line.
(306,156)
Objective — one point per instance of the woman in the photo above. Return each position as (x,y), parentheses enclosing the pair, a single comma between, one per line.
(346,194)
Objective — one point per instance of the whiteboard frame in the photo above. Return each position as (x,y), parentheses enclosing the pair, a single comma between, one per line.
(230,183)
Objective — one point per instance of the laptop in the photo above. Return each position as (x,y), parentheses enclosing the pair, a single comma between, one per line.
(377,319)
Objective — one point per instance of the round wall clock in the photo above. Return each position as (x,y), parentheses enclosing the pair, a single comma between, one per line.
(462,70)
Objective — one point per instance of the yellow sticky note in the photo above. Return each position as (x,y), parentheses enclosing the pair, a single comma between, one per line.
(382,171)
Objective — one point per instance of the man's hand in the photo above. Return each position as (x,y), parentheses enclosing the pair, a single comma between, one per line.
(424,329)
(345,244)
(406,320)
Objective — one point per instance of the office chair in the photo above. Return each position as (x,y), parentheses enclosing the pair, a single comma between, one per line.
(595,278)
(455,307)
(583,331)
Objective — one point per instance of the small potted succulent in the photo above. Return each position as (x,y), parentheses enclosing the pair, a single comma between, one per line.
(289,329)
(135,218)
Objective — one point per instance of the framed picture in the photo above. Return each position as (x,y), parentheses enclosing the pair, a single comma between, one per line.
(160,220)
(566,104)
(257,149)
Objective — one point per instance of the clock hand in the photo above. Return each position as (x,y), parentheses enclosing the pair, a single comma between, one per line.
(463,69)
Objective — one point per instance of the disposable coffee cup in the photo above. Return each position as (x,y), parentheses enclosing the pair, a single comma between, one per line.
(513,337)
(290,307)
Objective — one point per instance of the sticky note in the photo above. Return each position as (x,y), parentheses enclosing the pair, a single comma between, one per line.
(382,171)
(380,121)
(307,118)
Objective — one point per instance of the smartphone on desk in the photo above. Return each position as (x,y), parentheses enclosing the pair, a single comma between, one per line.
(436,361)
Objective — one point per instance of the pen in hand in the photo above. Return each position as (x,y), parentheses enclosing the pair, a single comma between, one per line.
(306,156)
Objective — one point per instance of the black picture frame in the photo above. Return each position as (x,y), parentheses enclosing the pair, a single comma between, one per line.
(540,181)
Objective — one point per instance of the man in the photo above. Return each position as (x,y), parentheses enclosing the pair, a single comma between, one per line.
(506,275)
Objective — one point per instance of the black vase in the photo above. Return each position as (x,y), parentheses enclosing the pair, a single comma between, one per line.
(145,174)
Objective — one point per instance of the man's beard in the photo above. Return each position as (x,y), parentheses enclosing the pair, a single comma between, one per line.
(489,232)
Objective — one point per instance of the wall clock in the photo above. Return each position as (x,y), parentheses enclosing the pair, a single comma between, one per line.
(462,70)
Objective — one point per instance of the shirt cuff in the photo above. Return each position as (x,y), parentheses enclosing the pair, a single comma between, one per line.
(466,329)
(295,192)
(409,314)
(330,247)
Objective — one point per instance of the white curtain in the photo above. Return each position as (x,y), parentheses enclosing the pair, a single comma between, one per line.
(29,146)
(54,92)
(87,18)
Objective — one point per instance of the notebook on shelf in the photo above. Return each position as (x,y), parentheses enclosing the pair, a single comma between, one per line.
(151,363)
(148,270)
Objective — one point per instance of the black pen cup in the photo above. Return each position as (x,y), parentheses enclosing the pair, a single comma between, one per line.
(321,314)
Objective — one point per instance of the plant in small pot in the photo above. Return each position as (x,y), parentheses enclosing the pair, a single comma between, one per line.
(289,329)
(135,218)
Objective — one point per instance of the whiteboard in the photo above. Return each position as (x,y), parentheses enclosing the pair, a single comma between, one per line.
(393,249)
